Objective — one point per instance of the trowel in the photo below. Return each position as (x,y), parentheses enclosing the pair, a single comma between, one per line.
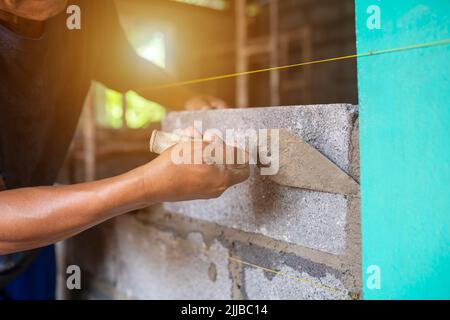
(300,165)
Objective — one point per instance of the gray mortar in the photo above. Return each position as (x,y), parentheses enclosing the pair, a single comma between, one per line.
(181,226)
(319,280)
(346,268)
(95,255)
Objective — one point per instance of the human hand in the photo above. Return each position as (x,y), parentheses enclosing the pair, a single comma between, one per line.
(165,180)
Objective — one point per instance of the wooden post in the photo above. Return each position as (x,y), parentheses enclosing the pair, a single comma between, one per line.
(241,57)
(89,138)
(124,111)
(274,56)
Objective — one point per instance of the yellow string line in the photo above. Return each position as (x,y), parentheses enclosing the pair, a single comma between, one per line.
(285,275)
(296,65)
(299,279)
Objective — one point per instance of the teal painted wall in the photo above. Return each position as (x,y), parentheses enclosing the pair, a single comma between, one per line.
(405,149)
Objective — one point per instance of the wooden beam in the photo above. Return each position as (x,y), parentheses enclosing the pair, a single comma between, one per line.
(241,57)
(274,55)
(89,138)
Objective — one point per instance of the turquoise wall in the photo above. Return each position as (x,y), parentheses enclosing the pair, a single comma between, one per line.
(405,149)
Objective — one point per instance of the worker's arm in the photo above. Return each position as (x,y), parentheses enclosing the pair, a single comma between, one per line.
(35,217)
(119,67)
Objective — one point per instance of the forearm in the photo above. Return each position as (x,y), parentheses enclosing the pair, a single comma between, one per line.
(34,217)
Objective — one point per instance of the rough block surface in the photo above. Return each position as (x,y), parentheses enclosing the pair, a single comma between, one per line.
(224,248)
(298,278)
(138,261)
(175,268)
(312,219)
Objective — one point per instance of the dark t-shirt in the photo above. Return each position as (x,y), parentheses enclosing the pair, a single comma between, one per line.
(43,84)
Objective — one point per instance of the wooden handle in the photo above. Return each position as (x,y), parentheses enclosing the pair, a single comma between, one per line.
(160,141)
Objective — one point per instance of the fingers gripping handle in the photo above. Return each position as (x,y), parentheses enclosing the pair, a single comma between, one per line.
(161,141)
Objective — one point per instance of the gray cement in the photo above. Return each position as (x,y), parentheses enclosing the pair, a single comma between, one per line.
(298,278)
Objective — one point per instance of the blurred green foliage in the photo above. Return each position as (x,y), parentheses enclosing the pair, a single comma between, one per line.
(139,111)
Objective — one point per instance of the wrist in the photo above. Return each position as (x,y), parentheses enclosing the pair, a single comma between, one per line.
(126,193)
(140,186)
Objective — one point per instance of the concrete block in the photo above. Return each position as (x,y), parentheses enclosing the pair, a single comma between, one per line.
(312,219)
(155,264)
(298,278)
(138,261)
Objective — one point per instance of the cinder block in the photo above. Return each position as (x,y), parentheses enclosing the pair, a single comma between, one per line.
(296,278)
(156,264)
(143,262)
(312,219)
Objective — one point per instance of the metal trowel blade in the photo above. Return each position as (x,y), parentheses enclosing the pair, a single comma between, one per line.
(302,166)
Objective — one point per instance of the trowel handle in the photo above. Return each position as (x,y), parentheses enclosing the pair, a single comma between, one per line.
(161,141)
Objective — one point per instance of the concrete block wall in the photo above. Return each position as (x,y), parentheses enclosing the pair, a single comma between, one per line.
(332,25)
(257,241)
